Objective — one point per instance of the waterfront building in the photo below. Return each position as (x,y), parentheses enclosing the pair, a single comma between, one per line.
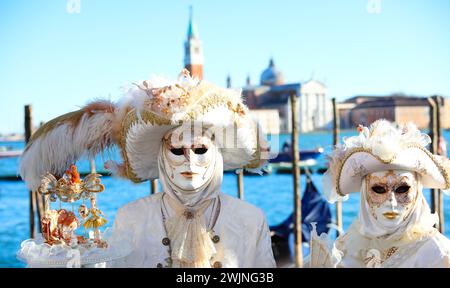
(397,108)
(273,93)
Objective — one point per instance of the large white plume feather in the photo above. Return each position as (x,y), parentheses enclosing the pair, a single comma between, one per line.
(63,140)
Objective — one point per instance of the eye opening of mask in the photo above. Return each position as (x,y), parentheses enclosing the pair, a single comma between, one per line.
(197,148)
(378,189)
(180,151)
(403,188)
(177,151)
(200,151)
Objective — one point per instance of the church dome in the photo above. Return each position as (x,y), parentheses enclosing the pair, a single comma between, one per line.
(271,75)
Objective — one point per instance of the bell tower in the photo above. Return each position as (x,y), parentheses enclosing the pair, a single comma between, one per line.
(193,51)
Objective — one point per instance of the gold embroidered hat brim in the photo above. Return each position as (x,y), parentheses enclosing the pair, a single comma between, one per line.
(359,162)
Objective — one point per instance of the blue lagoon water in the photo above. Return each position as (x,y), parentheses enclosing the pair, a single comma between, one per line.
(272,193)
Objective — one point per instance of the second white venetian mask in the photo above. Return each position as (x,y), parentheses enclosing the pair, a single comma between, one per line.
(390,195)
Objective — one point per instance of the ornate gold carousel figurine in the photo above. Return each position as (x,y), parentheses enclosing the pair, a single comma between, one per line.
(59,226)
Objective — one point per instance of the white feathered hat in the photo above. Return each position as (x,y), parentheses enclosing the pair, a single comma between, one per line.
(137,125)
(384,146)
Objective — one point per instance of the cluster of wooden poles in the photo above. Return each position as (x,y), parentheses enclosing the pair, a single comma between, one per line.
(435,102)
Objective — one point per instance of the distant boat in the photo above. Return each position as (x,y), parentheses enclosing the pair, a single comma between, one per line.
(304,155)
(6,152)
(12,138)
(266,170)
(282,163)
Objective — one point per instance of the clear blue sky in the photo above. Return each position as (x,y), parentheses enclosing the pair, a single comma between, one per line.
(57,61)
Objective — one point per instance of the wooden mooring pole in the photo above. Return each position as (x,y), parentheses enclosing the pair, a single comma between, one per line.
(153,186)
(335,142)
(32,194)
(433,133)
(440,197)
(440,100)
(298,254)
(240,183)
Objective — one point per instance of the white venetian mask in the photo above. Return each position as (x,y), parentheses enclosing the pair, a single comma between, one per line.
(188,162)
(390,195)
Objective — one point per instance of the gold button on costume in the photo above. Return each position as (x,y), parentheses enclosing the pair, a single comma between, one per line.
(216,239)
(166,241)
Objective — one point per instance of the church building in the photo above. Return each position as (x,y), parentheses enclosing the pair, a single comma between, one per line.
(193,50)
(315,109)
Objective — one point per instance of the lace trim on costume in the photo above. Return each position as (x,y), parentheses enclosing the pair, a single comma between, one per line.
(190,241)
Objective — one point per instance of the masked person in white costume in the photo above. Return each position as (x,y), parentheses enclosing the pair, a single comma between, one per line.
(185,134)
(389,166)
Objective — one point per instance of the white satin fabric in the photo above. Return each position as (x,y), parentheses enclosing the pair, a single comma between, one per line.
(432,251)
(242,228)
